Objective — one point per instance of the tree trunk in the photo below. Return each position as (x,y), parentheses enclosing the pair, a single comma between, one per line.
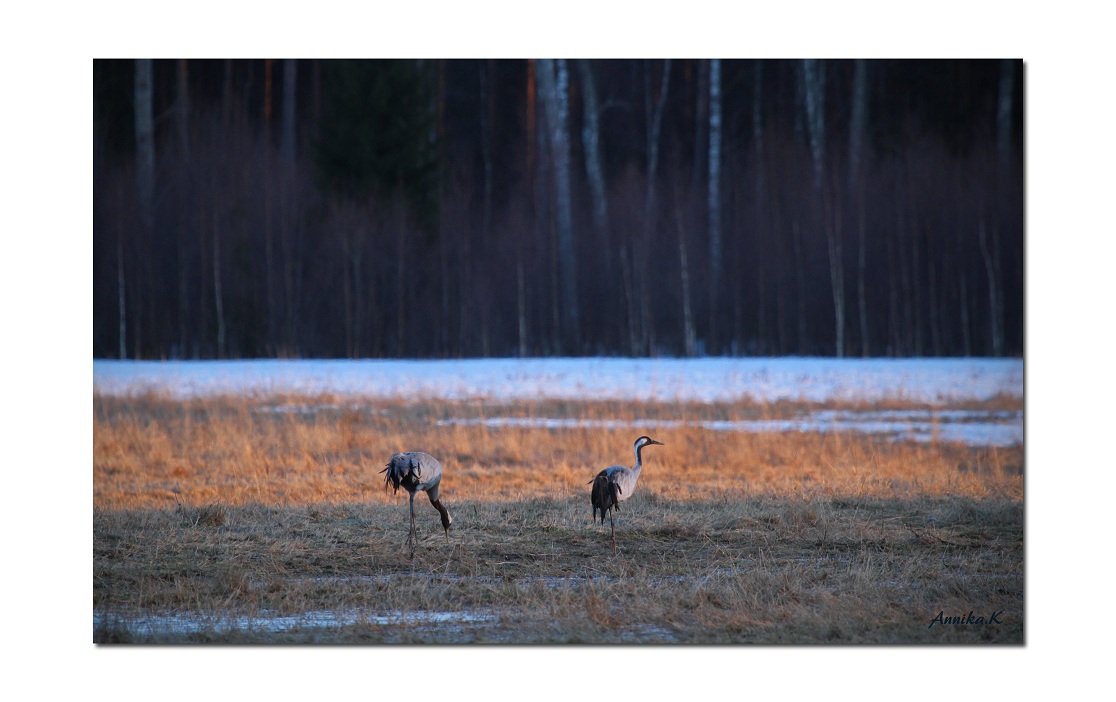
(994,304)
(634,333)
(553,87)
(836,265)
(347,291)
(288,137)
(123,329)
(401,286)
(590,137)
(182,111)
(857,126)
(701,127)
(145,145)
(813,76)
(269,71)
(1004,108)
(219,299)
(521,301)
(858,120)
(800,284)
(488,106)
(714,198)
(654,112)
(966,334)
(861,274)
(689,341)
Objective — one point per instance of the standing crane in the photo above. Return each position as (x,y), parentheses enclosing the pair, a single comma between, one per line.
(414,471)
(615,484)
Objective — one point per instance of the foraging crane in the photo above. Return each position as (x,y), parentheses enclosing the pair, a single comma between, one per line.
(615,484)
(414,471)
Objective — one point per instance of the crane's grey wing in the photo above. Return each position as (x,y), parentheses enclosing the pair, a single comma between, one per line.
(412,470)
(426,469)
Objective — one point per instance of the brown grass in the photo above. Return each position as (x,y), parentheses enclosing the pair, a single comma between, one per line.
(224,508)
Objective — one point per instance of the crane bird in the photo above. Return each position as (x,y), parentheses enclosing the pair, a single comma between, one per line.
(414,471)
(615,484)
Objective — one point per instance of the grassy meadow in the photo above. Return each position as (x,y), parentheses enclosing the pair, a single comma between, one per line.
(265,520)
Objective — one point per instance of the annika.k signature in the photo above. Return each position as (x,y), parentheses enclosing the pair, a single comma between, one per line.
(970,620)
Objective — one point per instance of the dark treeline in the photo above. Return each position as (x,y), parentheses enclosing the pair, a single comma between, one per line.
(452,208)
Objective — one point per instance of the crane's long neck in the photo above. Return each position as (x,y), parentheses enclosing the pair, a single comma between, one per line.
(639,458)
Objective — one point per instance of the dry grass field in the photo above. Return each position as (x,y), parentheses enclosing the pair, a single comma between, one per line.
(265,521)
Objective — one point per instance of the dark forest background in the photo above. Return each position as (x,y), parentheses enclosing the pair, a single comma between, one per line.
(458,208)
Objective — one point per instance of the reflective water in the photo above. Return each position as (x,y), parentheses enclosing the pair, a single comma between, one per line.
(971,427)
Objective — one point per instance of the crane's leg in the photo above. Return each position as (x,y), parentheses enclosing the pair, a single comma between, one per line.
(612,520)
(411,533)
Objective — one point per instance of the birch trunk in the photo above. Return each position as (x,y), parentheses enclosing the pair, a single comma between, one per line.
(813,77)
(591,141)
(857,128)
(553,87)
(714,197)
(654,110)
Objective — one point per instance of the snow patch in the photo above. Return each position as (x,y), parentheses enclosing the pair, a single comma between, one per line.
(936,381)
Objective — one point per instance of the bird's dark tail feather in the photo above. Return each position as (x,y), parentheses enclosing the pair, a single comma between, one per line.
(605,495)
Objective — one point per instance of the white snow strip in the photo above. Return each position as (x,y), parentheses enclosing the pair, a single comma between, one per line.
(662,379)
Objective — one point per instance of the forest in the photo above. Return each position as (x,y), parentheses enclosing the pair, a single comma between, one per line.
(442,208)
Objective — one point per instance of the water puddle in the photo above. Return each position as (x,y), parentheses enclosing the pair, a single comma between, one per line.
(185,623)
(971,427)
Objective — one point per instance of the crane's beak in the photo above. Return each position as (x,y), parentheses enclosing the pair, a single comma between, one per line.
(658,442)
